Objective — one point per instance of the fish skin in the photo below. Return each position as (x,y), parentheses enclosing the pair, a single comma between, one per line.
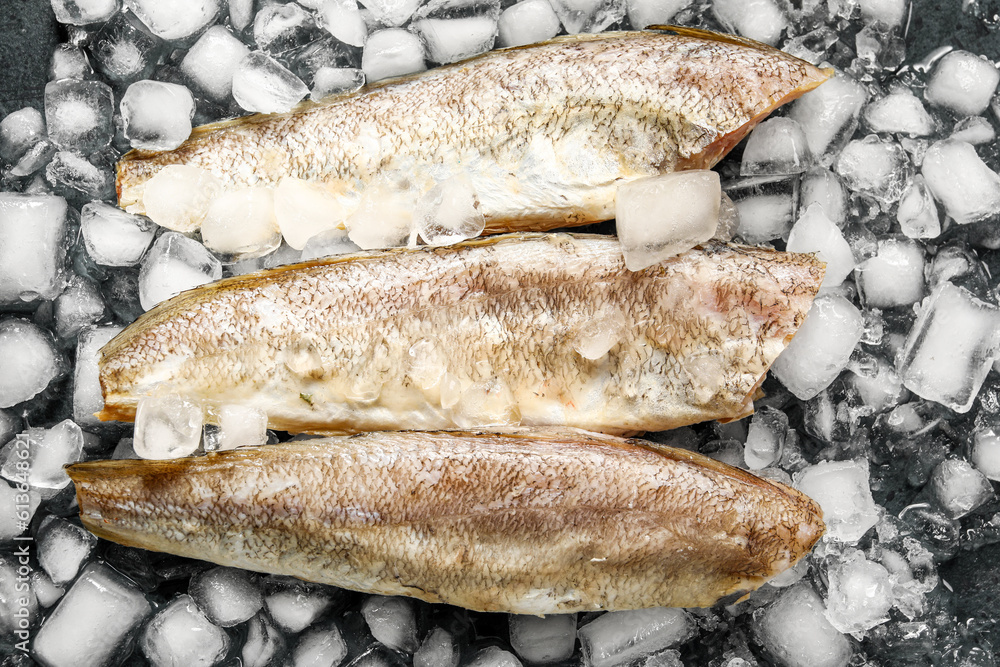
(373,341)
(545,133)
(519,522)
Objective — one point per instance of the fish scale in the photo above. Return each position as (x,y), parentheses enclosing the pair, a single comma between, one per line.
(335,345)
(544,133)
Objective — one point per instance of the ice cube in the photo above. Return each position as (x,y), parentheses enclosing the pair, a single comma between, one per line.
(178,196)
(328,243)
(227,596)
(304,209)
(63,548)
(823,187)
(31,246)
(392,621)
(279,28)
(542,640)
(78,114)
(34,159)
(451,40)
(175,263)
(87,397)
(264,643)
(177,19)
(795,631)
(391,12)
(69,62)
(157,115)
(860,594)
(620,637)
(963,83)
(894,276)
(764,207)
(46,592)
(437,650)
(78,306)
(19,131)
(814,232)
(241,14)
(842,490)
(917,213)
(527,22)
(874,167)
(959,487)
(951,347)
(661,216)
(262,84)
(335,80)
(821,347)
(72,176)
(343,20)
(986,452)
(319,54)
(181,635)
(28,361)
(322,646)
(900,112)
(213,60)
(384,215)
(644,13)
(296,609)
(961,181)
(83,12)
(242,223)
(765,438)
(973,130)
(889,12)
(124,50)
(829,114)
(761,20)
(114,237)
(449,213)
(597,336)
(94,621)
(776,147)
(45,451)
(392,52)
(241,426)
(167,427)
(588,15)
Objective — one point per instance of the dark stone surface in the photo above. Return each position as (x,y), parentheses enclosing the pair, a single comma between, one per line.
(934,23)
(28,33)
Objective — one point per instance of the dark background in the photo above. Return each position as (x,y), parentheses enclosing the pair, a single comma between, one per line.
(29,32)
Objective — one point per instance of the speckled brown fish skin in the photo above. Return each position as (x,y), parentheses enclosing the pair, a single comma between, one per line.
(528,523)
(546,133)
(476,334)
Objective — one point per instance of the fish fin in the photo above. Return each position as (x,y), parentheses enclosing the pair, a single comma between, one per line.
(712,36)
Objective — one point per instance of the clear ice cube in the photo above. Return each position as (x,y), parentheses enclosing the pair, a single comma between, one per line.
(527,22)
(543,640)
(875,167)
(167,427)
(917,213)
(241,426)
(588,15)
(40,454)
(63,548)
(821,348)
(78,306)
(304,209)
(986,452)
(227,595)
(392,621)
(83,12)
(900,112)
(28,361)
(322,646)
(112,236)
(296,607)
(776,147)
(765,438)
(815,233)
(157,115)
(829,114)
(19,131)
(842,490)
(823,187)
(762,20)
(124,50)
(264,85)
(620,637)
(279,28)
(662,216)
(860,594)
(449,213)
(950,347)
(959,488)
(439,649)
(958,178)
(795,631)
(451,40)
(894,276)
(78,114)
(87,397)
(174,264)
(344,20)
(242,223)
(644,13)
(31,246)
(69,62)
(180,635)
(73,176)
(335,80)
(392,52)
(177,19)
(264,642)
(962,83)
(178,196)
(212,62)
(392,13)
(93,622)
